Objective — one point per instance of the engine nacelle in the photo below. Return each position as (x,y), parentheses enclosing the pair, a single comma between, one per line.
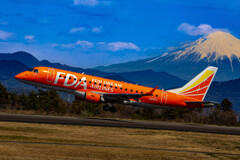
(93,97)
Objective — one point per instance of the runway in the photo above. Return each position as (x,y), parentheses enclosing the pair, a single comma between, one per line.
(119,123)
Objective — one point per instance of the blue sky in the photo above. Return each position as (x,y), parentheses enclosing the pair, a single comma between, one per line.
(89,33)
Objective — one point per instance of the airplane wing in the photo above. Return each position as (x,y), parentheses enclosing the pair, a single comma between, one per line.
(122,96)
(206,103)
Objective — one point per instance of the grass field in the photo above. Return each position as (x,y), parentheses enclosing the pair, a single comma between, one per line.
(85,142)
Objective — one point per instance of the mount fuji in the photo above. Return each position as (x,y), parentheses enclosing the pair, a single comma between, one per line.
(219,49)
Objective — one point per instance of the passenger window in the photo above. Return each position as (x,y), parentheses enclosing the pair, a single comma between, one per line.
(115,87)
(131,90)
(126,89)
(121,88)
(90,82)
(156,95)
(141,92)
(136,91)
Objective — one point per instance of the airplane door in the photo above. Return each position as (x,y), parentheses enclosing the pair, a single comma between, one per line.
(50,75)
(164,97)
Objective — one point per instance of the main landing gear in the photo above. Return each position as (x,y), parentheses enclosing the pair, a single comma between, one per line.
(109,107)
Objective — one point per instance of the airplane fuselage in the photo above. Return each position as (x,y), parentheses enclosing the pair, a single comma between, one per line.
(91,88)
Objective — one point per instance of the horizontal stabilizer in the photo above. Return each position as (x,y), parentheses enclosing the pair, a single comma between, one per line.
(206,104)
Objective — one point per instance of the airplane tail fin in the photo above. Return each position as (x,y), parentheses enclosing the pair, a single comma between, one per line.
(197,88)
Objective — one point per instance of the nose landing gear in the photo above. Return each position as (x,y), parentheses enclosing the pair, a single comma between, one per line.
(109,107)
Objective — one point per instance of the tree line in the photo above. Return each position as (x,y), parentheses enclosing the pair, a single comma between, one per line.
(48,102)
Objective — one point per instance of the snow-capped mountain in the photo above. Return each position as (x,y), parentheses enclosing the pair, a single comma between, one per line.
(218,49)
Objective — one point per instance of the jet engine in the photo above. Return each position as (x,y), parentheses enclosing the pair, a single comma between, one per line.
(91,97)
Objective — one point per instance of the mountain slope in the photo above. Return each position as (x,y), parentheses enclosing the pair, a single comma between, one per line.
(152,79)
(10,68)
(228,89)
(118,78)
(218,49)
(24,57)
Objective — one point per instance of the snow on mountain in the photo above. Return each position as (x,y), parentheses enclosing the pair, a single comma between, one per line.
(164,54)
(220,44)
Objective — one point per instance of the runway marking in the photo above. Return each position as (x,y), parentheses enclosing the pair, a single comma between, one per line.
(140,148)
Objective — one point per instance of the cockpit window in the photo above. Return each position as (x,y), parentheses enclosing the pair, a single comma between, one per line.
(35,70)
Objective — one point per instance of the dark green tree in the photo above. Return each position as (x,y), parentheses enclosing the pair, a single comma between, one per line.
(49,101)
(76,107)
(171,114)
(226,105)
(23,101)
(33,101)
(83,107)
(148,113)
(12,100)
(3,96)
(220,117)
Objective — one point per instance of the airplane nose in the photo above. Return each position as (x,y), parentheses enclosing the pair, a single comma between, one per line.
(19,76)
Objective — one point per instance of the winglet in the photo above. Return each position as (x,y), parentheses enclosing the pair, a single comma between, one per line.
(151,92)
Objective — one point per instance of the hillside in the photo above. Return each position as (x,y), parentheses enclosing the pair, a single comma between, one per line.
(9,69)
(152,79)
(228,89)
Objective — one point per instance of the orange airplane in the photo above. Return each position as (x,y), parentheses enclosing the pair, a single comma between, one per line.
(101,90)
